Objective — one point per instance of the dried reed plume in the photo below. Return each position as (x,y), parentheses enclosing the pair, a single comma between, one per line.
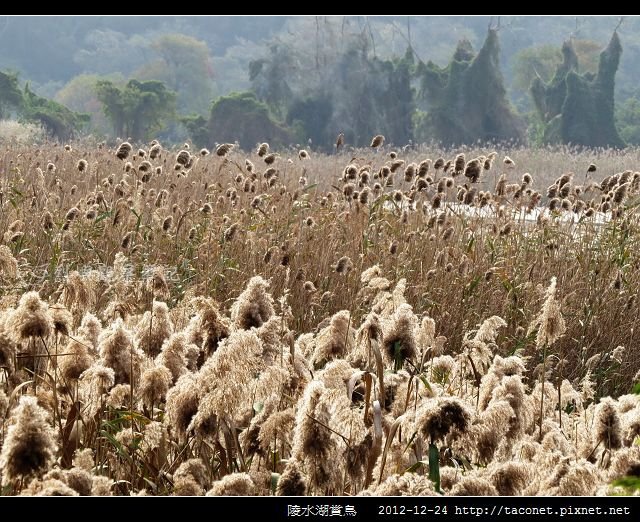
(82,165)
(263,149)
(225,375)
(314,445)
(183,158)
(230,232)
(7,358)
(167,223)
(118,352)
(473,170)
(62,319)
(155,151)
(8,263)
(333,341)
(154,328)
(29,447)
(550,323)
(76,361)
(235,484)
(440,417)
(30,319)
(254,305)
(154,384)
(458,164)
(344,265)
(224,149)
(123,150)
(607,424)
(377,141)
(398,341)
(292,482)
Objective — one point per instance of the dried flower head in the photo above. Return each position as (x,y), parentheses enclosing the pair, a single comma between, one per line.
(344,265)
(607,424)
(377,141)
(29,447)
(30,318)
(123,150)
(254,305)
(224,149)
(442,416)
(551,325)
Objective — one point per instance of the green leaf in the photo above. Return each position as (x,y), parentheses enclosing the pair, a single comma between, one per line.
(434,466)
(102,216)
(415,467)
(630,484)
(275,477)
(118,447)
(426,383)
(397,356)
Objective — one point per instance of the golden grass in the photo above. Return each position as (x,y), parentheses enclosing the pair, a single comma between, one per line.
(205,321)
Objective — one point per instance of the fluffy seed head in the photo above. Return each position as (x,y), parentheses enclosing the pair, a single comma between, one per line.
(607,424)
(254,306)
(443,416)
(29,448)
(377,141)
(123,150)
(224,149)
(30,319)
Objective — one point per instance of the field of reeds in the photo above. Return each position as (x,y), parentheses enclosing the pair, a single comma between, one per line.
(372,322)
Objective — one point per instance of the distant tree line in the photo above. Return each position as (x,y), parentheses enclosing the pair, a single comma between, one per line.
(408,100)
(54,117)
(308,96)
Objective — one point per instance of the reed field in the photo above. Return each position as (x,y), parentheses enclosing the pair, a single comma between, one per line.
(379,321)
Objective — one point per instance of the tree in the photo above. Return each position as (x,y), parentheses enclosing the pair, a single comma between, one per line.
(355,91)
(396,97)
(185,67)
(59,121)
(241,117)
(323,80)
(56,119)
(79,94)
(310,117)
(467,100)
(628,120)
(10,95)
(579,108)
(542,61)
(198,129)
(370,96)
(549,97)
(138,109)
(270,77)
(535,62)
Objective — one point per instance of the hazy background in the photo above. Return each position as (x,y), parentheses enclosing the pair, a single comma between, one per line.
(294,59)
